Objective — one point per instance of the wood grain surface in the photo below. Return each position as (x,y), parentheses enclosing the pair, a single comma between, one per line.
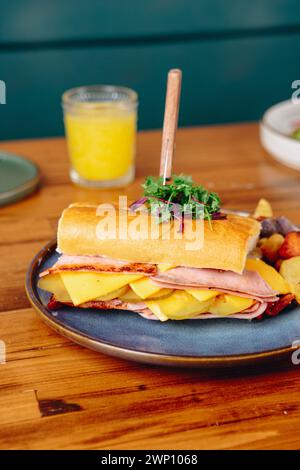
(57,395)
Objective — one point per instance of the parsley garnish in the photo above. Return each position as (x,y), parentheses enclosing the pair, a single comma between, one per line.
(179,194)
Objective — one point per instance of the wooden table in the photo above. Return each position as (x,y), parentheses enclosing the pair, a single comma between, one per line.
(57,395)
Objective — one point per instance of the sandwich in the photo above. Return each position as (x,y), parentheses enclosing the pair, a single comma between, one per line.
(160,279)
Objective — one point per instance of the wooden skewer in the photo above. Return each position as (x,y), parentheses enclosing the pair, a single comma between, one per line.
(170,123)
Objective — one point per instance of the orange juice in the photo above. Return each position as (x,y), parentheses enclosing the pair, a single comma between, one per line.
(101,140)
(102,147)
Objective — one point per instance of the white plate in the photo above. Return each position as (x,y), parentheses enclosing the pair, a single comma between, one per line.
(276,128)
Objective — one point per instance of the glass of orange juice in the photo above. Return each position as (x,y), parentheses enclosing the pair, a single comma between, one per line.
(100,123)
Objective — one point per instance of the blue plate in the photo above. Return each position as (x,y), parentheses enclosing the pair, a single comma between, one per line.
(203,343)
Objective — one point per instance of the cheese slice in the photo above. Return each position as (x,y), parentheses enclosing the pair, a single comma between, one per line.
(178,306)
(83,287)
(54,284)
(203,294)
(145,288)
(269,274)
(165,267)
(115,294)
(130,296)
(228,304)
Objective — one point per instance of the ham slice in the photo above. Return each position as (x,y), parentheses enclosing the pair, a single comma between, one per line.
(99,264)
(249,284)
(114,304)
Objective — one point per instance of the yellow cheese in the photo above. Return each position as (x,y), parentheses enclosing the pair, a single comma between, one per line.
(54,284)
(269,274)
(228,304)
(203,294)
(165,267)
(83,287)
(162,293)
(178,306)
(145,288)
(130,296)
(114,294)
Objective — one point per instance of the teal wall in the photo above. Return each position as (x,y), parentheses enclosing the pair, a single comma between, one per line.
(237,57)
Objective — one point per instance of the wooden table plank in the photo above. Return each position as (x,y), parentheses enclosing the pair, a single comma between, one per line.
(55,394)
(22,404)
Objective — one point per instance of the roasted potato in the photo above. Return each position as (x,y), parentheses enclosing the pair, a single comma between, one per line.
(270,247)
(291,246)
(290,270)
(262,241)
(263,209)
(269,274)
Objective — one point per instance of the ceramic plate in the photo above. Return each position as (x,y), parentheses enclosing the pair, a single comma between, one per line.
(18,178)
(203,343)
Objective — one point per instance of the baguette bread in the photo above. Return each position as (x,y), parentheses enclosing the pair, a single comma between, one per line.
(226,242)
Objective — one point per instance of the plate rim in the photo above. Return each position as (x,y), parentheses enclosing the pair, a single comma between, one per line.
(132,354)
(19,192)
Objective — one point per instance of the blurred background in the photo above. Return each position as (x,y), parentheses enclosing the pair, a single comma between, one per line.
(237,57)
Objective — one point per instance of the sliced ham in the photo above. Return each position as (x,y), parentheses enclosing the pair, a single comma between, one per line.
(99,264)
(249,284)
(115,304)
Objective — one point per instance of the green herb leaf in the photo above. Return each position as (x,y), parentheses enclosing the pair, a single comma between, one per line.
(184,192)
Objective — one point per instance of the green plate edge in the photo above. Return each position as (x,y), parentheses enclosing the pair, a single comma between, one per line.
(20,192)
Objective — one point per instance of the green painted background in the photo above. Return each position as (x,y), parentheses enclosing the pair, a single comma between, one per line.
(238,57)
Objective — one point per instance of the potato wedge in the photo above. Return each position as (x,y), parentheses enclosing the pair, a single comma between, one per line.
(290,270)
(263,209)
(271,246)
(291,246)
(262,241)
(269,275)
